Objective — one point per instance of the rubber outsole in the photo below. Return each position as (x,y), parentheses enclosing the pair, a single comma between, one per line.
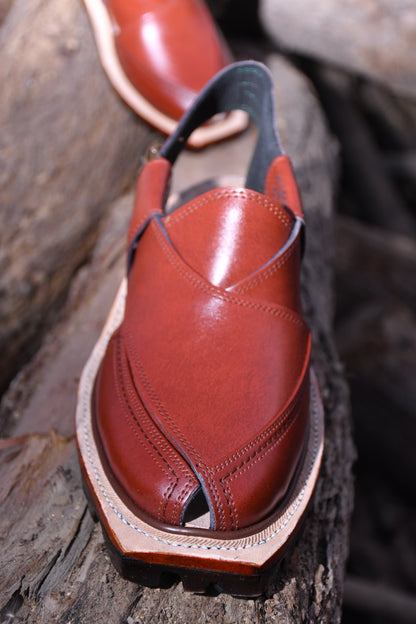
(197,581)
(194,580)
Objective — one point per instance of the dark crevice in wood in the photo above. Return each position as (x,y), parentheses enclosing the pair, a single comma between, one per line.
(37,590)
(12,607)
(365,177)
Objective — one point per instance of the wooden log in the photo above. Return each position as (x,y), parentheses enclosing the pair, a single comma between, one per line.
(61,571)
(4,8)
(394,117)
(393,120)
(374,39)
(402,166)
(68,147)
(365,178)
(376,337)
(384,262)
(380,600)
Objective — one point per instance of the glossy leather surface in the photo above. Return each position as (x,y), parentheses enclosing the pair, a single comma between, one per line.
(206,382)
(169,49)
(140,457)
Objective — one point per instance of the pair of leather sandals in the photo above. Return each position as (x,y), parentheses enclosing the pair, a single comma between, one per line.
(199,420)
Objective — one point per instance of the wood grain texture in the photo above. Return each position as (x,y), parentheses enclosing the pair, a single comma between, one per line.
(61,571)
(68,147)
(374,38)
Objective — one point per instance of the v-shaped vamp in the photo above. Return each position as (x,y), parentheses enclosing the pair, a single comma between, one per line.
(199,422)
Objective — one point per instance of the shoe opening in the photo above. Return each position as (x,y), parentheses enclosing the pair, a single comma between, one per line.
(196,511)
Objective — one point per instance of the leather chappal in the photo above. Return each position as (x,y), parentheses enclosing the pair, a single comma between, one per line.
(199,420)
(158,55)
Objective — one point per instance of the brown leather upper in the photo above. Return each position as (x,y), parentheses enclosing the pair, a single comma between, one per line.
(169,49)
(205,383)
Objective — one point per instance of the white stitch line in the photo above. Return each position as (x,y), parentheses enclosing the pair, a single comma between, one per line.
(90,374)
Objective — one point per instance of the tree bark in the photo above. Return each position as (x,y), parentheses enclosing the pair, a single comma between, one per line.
(384,260)
(365,175)
(368,38)
(68,147)
(54,566)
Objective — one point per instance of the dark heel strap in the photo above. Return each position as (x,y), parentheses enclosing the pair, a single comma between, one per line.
(247,85)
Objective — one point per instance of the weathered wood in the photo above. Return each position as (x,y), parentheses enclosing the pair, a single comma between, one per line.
(68,147)
(374,39)
(377,342)
(402,166)
(393,116)
(376,337)
(91,295)
(64,574)
(380,600)
(4,8)
(384,261)
(365,178)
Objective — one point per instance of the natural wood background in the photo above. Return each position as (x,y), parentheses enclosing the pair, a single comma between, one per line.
(69,149)
(53,561)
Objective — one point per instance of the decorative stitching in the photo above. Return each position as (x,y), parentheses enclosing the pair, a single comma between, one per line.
(162,410)
(267,447)
(206,287)
(231,505)
(155,399)
(173,479)
(230,193)
(85,409)
(162,441)
(268,433)
(235,474)
(155,432)
(177,508)
(88,378)
(217,293)
(219,511)
(263,275)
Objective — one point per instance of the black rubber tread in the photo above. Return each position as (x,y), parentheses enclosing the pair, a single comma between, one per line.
(194,580)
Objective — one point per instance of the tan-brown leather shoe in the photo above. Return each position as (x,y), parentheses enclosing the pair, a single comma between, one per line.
(159,54)
(199,421)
